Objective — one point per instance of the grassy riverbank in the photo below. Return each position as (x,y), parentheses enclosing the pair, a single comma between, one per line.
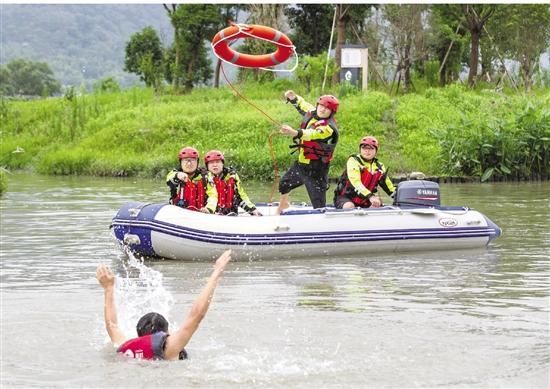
(135,132)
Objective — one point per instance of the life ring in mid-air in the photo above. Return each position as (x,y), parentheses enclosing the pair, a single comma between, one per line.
(220,45)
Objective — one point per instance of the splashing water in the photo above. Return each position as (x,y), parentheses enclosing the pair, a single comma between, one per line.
(138,292)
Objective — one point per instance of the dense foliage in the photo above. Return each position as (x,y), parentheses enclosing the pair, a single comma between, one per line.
(144,56)
(27,78)
(441,131)
(3,181)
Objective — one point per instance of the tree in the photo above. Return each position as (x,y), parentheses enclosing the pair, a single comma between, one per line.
(522,32)
(106,85)
(29,78)
(447,41)
(228,13)
(347,15)
(173,54)
(193,25)
(473,17)
(312,27)
(407,37)
(144,56)
(6,88)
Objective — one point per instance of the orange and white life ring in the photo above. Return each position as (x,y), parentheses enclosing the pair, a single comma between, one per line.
(220,45)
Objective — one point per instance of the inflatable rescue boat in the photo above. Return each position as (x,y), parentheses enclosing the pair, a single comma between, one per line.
(416,221)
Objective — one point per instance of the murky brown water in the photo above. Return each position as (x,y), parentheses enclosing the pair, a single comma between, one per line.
(447,319)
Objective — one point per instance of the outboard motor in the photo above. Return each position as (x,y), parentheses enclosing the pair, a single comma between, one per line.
(417,193)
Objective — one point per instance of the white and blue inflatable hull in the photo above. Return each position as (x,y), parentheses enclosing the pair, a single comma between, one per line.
(162,230)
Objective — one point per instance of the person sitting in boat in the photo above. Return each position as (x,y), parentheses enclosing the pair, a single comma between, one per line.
(230,194)
(154,341)
(358,184)
(188,183)
(316,140)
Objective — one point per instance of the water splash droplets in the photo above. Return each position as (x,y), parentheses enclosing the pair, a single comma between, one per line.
(140,290)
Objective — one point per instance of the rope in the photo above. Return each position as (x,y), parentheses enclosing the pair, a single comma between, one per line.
(271,135)
(242,29)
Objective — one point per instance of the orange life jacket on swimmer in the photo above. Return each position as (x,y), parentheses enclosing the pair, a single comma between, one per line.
(369,180)
(322,149)
(149,346)
(226,192)
(191,195)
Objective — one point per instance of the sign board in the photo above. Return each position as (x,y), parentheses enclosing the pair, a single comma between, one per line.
(351,58)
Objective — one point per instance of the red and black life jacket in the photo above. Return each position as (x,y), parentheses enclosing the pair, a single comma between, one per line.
(191,194)
(368,179)
(322,149)
(149,346)
(226,193)
(139,348)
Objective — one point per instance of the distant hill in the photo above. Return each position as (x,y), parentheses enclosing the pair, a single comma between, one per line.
(81,43)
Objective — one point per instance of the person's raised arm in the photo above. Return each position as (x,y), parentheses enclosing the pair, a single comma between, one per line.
(179,339)
(107,281)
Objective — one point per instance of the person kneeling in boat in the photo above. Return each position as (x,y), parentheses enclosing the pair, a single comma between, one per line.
(188,183)
(358,184)
(154,341)
(316,141)
(230,194)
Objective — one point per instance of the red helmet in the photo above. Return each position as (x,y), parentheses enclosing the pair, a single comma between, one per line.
(369,140)
(213,155)
(330,102)
(188,152)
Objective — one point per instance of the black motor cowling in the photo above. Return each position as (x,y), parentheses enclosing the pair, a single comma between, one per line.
(417,193)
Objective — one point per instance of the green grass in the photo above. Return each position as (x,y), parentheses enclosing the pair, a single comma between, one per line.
(438,131)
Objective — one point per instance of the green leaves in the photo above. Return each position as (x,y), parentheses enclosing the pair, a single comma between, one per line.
(28,78)
(500,138)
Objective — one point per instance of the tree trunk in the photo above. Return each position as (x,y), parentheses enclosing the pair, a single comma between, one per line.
(526,71)
(442,78)
(474,56)
(217,74)
(340,37)
(406,69)
(176,71)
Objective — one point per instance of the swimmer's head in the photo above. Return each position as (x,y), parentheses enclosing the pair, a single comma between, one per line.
(150,323)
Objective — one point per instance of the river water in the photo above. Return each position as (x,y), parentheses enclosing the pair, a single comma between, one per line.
(430,319)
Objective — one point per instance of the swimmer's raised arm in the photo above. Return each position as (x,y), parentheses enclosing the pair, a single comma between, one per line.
(179,339)
(107,280)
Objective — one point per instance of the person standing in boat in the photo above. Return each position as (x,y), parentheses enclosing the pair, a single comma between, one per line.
(357,187)
(188,183)
(154,341)
(316,140)
(230,194)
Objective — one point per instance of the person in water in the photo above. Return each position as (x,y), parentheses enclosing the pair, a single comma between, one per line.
(188,183)
(230,194)
(316,140)
(357,187)
(154,341)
